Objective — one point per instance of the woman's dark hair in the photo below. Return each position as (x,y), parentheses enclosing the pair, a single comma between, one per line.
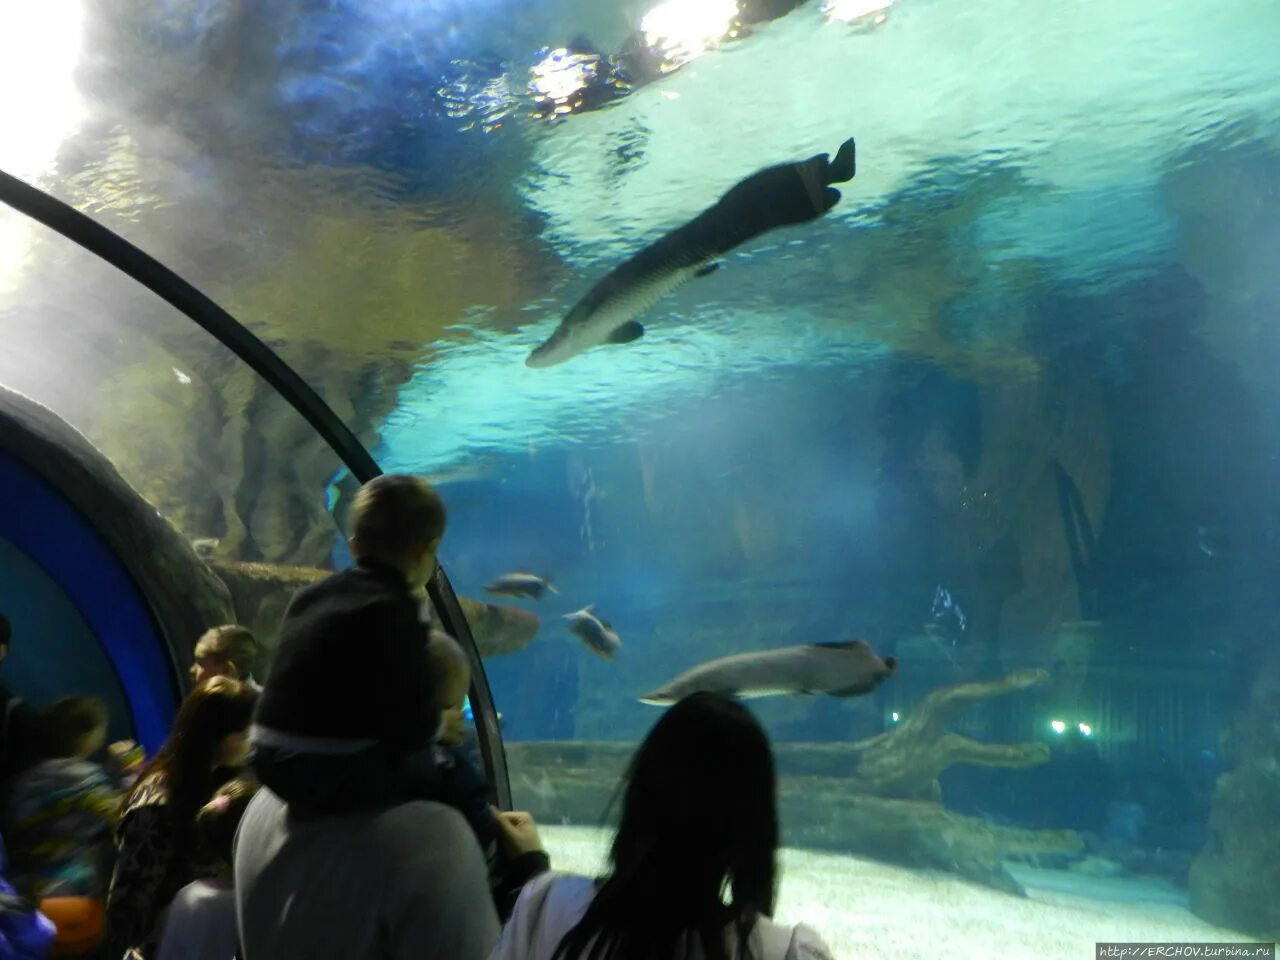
(212,711)
(699,814)
(217,820)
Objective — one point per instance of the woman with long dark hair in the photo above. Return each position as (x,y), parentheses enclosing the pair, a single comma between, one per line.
(155,837)
(699,821)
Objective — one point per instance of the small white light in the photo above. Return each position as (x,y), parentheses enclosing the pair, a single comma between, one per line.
(894,715)
(1085,729)
(1058,726)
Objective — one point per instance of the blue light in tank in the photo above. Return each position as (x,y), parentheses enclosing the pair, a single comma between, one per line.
(1058,726)
(1085,729)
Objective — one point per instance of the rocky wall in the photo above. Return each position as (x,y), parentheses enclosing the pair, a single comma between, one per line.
(1235,882)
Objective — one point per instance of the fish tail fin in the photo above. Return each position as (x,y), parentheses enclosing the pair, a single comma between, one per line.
(845,165)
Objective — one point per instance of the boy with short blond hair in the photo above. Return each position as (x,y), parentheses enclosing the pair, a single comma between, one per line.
(351,691)
(363,697)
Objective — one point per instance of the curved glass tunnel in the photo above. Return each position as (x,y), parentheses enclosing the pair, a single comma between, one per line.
(1008,411)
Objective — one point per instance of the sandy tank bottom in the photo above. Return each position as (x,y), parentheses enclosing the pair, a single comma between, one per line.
(866,909)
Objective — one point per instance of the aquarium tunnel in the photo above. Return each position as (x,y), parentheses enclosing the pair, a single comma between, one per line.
(1006,408)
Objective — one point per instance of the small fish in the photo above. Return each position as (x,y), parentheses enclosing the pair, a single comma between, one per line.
(597,635)
(521,585)
(774,197)
(945,607)
(847,669)
(1211,541)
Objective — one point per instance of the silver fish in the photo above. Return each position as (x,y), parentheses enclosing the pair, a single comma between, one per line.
(597,635)
(846,669)
(774,197)
(521,585)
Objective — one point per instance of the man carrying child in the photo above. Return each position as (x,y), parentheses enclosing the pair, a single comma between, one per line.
(351,710)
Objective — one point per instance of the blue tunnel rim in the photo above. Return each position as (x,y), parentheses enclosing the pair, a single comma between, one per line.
(202,310)
(52,531)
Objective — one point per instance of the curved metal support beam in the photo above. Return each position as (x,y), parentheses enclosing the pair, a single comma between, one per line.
(167,285)
(488,731)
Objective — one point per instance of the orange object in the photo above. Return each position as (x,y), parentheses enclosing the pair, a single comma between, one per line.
(79,922)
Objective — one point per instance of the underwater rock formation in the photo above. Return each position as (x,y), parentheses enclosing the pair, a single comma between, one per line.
(185,596)
(1235,880)
(1231,247)
(261,591)
(1001,485)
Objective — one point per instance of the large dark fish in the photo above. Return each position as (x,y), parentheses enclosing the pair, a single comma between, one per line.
(774,197)
(847,669)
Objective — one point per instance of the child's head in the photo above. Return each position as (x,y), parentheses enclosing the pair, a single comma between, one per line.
(74,727)
(398,519)
(217,820)
(226,651)
(453,682)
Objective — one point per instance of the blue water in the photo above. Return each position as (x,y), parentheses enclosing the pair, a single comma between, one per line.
(1028,359)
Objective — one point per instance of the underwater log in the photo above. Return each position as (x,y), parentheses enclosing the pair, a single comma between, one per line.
(924,835)
(574,781)
(904,761)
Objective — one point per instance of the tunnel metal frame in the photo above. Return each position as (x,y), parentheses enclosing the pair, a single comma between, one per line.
(146,270)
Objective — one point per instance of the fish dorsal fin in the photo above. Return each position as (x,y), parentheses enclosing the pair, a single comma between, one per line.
(841,644)
(629,331)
